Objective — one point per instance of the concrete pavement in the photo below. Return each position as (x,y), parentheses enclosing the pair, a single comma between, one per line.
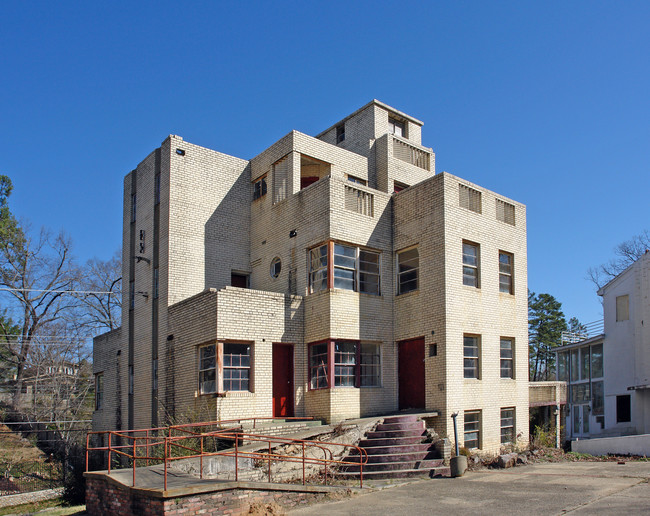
(553,488)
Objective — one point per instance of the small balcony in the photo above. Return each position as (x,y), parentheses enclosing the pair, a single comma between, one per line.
(410,153)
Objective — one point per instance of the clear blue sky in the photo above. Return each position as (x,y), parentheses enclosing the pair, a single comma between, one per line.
(545,102)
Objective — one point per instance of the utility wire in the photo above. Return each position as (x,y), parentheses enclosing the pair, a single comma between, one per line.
(6,289)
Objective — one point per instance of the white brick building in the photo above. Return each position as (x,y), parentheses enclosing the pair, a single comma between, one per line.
(334,276)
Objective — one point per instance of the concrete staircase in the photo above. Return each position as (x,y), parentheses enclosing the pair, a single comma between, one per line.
(396,449)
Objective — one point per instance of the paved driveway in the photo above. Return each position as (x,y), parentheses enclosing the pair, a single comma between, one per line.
(556,488)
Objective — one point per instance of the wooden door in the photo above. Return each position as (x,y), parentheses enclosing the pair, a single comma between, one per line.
(282,380)
(411,373)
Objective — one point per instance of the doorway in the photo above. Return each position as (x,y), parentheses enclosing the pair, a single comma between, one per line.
(282,380)
(411,373)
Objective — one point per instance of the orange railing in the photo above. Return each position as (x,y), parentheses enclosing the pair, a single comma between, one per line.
(168,447)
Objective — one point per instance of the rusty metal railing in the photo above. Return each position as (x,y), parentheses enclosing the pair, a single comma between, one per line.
(191,445)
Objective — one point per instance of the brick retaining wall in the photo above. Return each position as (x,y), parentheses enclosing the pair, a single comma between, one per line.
(104,497)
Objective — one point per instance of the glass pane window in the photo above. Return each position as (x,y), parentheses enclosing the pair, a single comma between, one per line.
(318,269)
(507,425)
(345,363)
(345,265)
(505,273)
(370,365)
(396,127)
(318,366)
(584,363)
(207,369)
(470,356)
(236,367)
(368,272)
(506,358)
(598,398)
(470,264)
(597,361)
(563,366)
(472,429)
(575,370)
(408,263)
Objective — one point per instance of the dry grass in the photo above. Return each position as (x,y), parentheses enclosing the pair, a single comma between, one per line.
(14,449)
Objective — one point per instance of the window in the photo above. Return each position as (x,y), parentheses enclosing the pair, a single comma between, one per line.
(318,269)
(575,370)
(398,187)
(470,264)
(584,363)
(239,279)
(563,367)
(597,398)
(471,356)
(259,188)
(469,198)
(507,425)
(353,269)
(357,180)
(99,391)
(597,361)
(276,267)
(396,127)
(340,133)
(157,189)
(133,207)
(281,179)
(344,363)
(505,273)
(623,308)
(318,360)
(155,283)
(505,212)
(208,369)
(507,348)
(623,409)
(236,367)
(472,430)
(370,365)
(408,263)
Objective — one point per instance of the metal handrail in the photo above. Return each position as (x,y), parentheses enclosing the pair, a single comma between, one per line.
(174,441)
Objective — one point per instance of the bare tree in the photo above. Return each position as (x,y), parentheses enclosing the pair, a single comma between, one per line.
(626,253)
(98,310)
(34,278)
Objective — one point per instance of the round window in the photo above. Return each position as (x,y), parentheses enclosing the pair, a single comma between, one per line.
(276,267)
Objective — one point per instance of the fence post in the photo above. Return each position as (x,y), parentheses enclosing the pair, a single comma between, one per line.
(201,475)
(109,452)
(303,463)
(165,459)
(236,459)
(134,457)
(269,461)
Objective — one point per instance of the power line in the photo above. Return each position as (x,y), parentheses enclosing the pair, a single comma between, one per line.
(46,422)
(6,289)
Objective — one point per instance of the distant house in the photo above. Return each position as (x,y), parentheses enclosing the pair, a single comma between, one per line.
(335,276)
(608,375)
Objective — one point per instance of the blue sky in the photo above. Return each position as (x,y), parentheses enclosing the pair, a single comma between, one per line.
(545,102)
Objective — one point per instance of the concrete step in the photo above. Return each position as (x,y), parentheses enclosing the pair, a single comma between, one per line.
(394,441)
(402,457)
(395,433)
(395,466)
(407,425)
(401,419)
(388,450)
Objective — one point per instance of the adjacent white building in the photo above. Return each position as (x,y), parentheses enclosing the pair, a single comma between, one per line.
(609,375)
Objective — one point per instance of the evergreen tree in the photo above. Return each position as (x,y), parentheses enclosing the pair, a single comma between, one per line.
(546,322)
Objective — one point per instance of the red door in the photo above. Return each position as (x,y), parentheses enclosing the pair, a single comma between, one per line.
(282,380)
(411,373)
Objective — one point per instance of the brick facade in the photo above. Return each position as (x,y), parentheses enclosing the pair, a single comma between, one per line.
(204,219)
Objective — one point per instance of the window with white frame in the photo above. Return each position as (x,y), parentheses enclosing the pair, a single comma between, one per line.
(396,127)
(506,262)
(471,350)
(507,425)
(236,367)
(506,353)
(408,264)
(318,370)
(472,429)
(208,369)
(344,363)
(471,264)
(370,364)
(353,268)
